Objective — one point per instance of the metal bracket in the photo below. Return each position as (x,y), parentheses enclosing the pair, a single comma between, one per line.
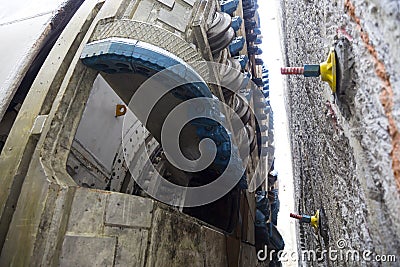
(38,125)
(120,110)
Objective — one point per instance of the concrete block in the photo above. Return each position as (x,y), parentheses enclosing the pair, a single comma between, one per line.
(190,2)
(128,211)
(248,255)
(131,246)
(143,10)
(177,18)
(39,123)
(215,247)
(175,241)
(87,251)
(87,211)
(168,3)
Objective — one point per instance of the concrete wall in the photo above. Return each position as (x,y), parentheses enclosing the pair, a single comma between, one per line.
(123,230)
(347,160)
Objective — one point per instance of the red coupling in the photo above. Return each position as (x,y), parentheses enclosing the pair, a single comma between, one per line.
(298,217)
(292,70)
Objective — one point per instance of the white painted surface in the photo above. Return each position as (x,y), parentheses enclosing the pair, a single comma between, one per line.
(99,131)
(273,59)
(19,9)
(21,26)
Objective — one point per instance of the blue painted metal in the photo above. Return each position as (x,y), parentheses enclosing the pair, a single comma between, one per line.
(229,6)
(251,37)
(207,128)
(262,116)
(243,59)
(249,13)
(248,4)
(236,45)
(265,79)
(254,50)
(267,110)
(262,216)
(116,55)
(259,61)
(247,96)
(261,219)
(274,206)
(259,100)
(257,31)
(243,182)
(275,242)
(264,151)
(258,41)
(258,81)
(246,78)
(236,23)
(312,70)
(249,24)
(272,176)
(264,139)
(260,105)
(264,69)
(248,74)
(263,128)
(262,203)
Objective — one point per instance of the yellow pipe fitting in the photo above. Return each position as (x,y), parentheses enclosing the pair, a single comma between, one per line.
(328,70)
(315,220)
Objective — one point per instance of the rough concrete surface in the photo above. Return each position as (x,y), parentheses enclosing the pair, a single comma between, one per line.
(73,253)
(347,165)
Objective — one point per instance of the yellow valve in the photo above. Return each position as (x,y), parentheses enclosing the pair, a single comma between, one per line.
(315,220)
(328,70)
